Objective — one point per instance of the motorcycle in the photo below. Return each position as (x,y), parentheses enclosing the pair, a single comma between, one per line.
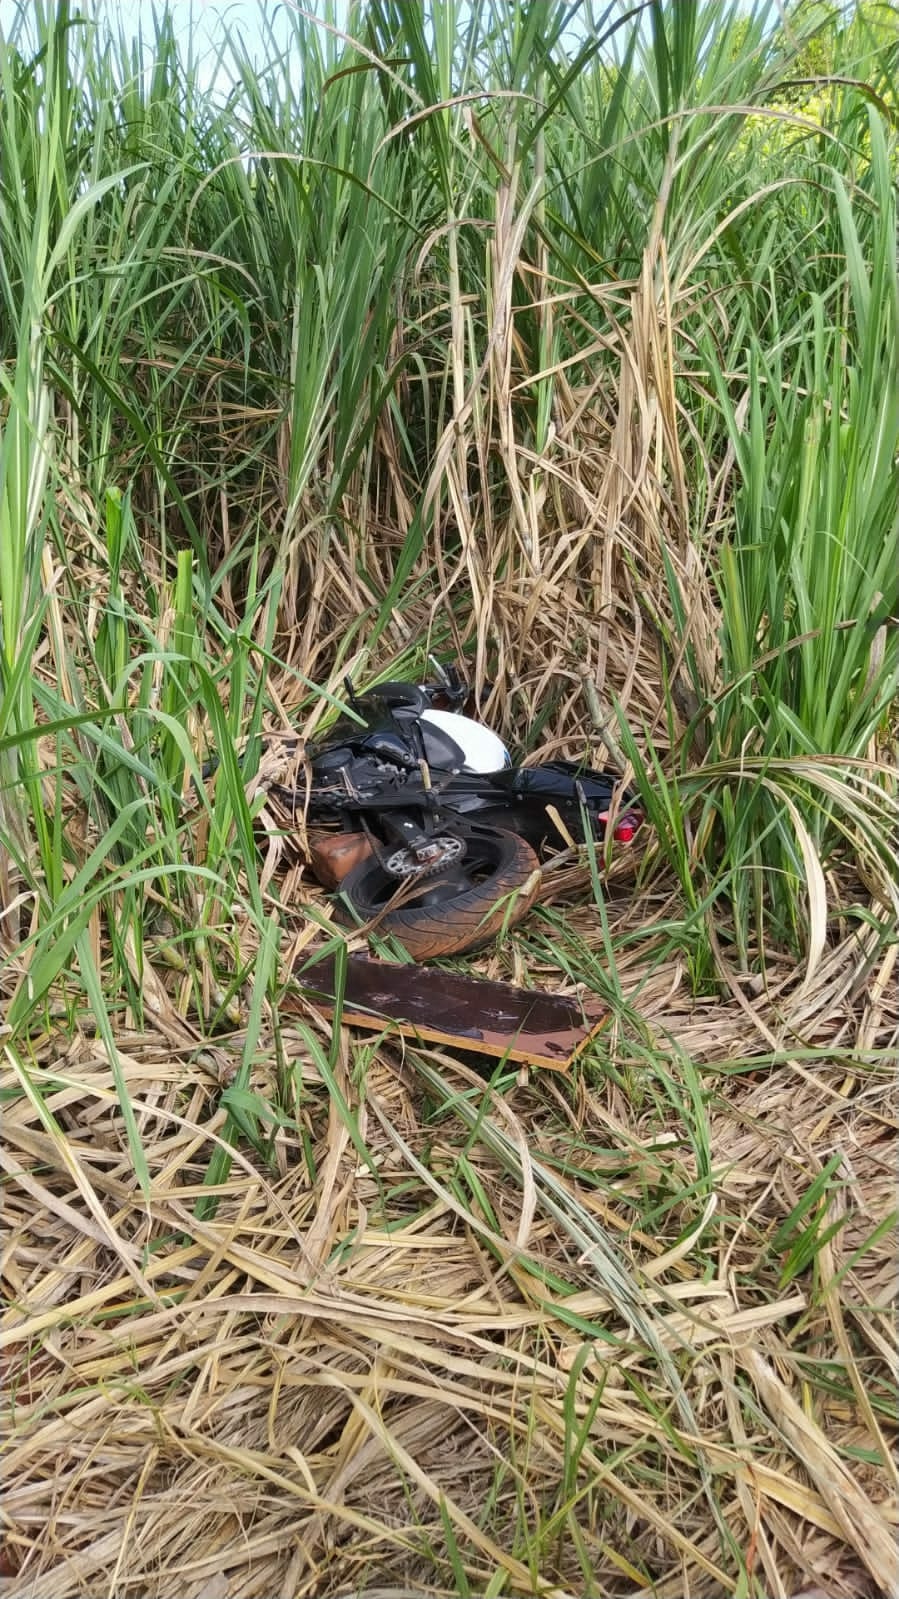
(415,814)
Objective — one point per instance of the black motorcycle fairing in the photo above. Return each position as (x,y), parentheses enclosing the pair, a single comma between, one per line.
(442,753)
(531,789)
(382,715)
(389,745)
(394,747)
(332,759)
(558,780)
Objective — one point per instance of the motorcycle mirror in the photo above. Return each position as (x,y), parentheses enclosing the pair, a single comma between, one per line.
(352,696)
(454,687)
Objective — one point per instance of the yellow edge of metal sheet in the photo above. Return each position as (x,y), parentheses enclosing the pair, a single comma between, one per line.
(425,1033)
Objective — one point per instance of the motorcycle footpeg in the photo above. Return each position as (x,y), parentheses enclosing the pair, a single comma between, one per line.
(404,832)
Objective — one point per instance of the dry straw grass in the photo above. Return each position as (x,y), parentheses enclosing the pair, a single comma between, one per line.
(296,1398)
(360,1372)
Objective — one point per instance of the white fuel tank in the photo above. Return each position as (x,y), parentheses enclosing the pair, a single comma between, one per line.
(483,750)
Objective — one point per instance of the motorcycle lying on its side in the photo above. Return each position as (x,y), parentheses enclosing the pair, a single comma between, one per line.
(417,816)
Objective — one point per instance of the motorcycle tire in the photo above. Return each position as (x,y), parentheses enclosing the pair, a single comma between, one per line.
(457,910)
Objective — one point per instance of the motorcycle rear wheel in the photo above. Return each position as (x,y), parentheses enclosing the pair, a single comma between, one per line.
(456,910)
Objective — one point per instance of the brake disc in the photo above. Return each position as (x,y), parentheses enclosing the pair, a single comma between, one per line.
(404,862)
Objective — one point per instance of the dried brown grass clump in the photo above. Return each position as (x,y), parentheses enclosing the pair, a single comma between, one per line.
(624,1334)
(604,1342)
(402,1366)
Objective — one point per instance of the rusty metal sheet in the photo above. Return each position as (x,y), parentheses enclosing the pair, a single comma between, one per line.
(520,1024)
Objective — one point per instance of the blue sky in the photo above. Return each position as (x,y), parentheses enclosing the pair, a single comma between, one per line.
(205,19)
(202,23)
